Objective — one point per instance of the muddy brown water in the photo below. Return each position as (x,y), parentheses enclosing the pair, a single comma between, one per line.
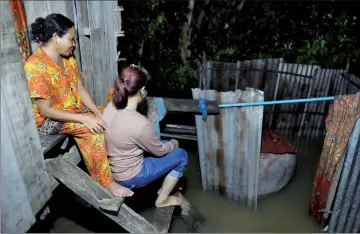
(283,211)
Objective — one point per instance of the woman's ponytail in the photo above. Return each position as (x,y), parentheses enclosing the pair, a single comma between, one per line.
(121,94)
(131,80)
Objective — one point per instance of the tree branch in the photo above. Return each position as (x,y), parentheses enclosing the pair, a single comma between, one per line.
(184,40)
(201,15)
(238,8)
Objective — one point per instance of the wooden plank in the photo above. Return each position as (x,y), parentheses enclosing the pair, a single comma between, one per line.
(97,50)
(16,213)
(111,43)
(95,14)
(18,116)
(179,136)
(85,187)
(174,105)
(85,46)
(73,156)
(48,142)
(189,106)
(162,218)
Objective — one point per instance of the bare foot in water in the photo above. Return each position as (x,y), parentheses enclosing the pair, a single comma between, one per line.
(169,201)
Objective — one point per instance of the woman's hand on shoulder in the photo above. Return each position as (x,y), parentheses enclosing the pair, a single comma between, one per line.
(175,142)
(94,124)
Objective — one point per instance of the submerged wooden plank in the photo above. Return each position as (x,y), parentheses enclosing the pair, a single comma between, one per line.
(162,218)
(85,187)
(190,215)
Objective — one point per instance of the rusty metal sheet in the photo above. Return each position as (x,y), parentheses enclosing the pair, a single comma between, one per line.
(229,145)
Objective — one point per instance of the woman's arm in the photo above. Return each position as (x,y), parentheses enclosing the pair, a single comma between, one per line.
(47,111)
(148,140)
(90,122)
(88,101)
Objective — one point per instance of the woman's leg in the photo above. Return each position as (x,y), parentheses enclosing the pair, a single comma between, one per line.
(172,164)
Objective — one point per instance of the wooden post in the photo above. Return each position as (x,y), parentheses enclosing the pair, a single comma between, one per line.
(24,185)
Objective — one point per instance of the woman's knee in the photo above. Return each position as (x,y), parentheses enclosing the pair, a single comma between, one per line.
(182,154)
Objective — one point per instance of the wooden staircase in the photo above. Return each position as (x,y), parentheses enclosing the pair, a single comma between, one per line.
(64,168)
(62,157)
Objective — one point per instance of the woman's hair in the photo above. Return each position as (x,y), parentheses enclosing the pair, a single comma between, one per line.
(131,80)
(43,29)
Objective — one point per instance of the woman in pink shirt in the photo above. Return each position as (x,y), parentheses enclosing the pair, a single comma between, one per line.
(137,156)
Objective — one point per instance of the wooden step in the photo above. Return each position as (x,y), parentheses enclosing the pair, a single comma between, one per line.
(48,142)
(88,189)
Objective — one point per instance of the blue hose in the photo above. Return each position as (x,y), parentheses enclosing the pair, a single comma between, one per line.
(276,102)
(203,109)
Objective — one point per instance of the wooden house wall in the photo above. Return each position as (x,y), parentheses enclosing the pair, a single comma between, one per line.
(99,26)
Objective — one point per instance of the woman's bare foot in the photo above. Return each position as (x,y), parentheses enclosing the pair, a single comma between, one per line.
(169,201)
(118,190)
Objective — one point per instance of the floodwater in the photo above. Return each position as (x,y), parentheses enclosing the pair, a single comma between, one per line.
(283,211)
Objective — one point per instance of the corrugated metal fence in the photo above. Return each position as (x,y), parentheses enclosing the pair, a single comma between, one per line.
(229,144)
(279,81)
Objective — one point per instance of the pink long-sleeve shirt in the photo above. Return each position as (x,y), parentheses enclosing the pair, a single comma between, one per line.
(129,135)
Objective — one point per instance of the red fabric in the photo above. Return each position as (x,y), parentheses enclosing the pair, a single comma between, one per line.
(273,143)
(18,14)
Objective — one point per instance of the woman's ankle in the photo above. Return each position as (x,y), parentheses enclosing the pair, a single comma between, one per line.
(168,201)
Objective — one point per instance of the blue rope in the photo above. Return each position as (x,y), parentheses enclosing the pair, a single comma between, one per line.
(202,107)
(276,102)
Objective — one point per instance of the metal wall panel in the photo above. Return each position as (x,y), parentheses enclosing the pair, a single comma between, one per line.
(229,145)
(345,216)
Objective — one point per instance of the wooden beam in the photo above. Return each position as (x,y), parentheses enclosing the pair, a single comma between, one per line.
(174,105)
(85,187)
(190,215)
(48,142)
